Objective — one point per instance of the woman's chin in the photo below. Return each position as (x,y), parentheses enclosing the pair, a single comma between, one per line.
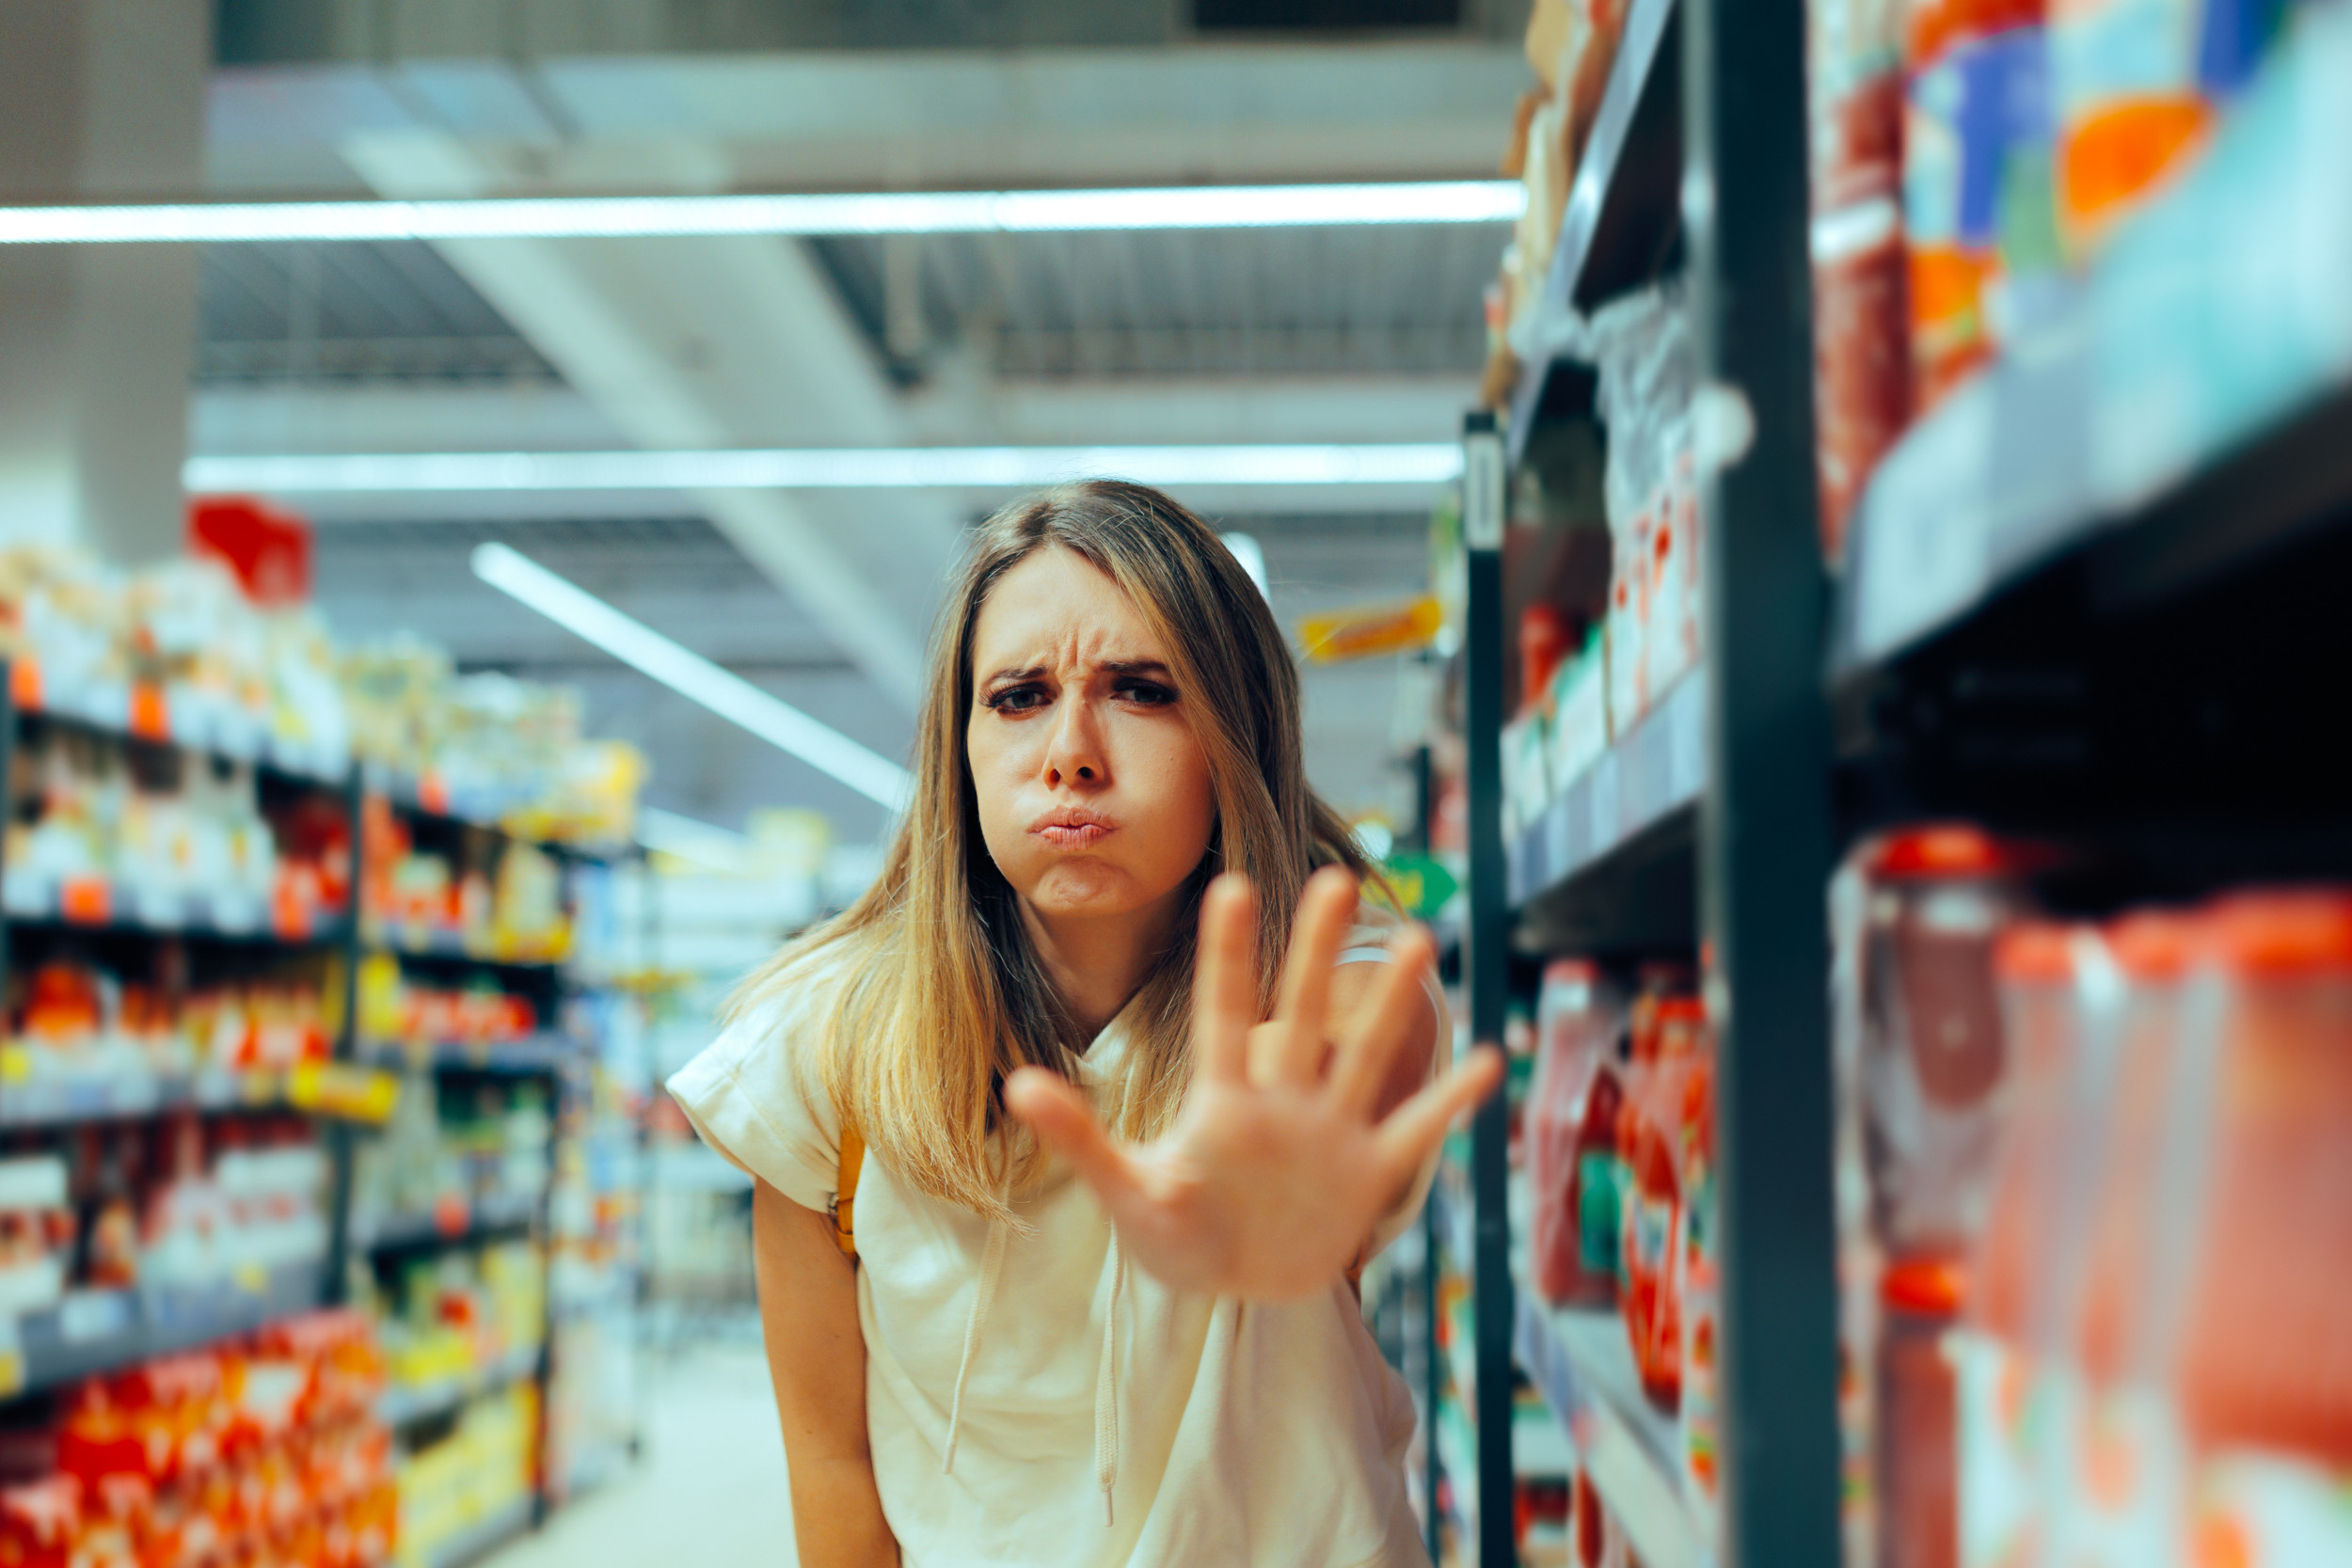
(1079,889)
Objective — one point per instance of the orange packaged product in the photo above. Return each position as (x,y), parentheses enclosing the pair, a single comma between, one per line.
(1977,197)
(2266,1304)
(2153,951)
(2041,1008)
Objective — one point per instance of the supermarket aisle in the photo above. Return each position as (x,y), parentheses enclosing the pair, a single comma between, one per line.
(709,1491)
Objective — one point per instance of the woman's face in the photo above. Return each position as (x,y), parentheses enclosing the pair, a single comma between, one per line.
(1094,795)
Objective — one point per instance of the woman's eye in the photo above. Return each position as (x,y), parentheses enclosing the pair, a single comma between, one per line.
(1018,699)
(1149,693)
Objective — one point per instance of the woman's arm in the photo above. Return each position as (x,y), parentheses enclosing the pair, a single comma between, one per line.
(816,1357)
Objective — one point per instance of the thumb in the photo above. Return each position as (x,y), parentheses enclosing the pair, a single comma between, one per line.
(1065,1123)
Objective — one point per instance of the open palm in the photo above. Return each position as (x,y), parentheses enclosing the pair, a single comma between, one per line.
(1278,1163)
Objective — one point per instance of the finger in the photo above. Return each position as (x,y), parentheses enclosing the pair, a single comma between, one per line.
(1416,1127)
(1395,1008)
(1065,1123)
(1325,913)
(1224,979)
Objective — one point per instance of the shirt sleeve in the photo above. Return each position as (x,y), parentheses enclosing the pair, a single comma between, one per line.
(749,1095)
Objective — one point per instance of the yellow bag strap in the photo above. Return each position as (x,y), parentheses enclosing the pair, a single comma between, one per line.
(844,1192)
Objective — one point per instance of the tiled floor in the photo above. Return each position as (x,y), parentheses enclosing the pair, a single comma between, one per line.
(708,1492)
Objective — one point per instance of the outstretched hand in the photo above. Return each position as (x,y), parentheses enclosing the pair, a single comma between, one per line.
(1278,1163)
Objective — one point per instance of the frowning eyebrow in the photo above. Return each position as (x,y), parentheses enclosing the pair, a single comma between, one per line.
(1109,666)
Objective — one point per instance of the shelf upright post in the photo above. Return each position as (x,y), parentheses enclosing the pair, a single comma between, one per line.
(1432,1354)
(1765,835)
(343,1137)
(8,801)
(1486,975)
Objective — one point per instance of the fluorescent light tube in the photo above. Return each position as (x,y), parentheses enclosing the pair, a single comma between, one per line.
(1405,462)
(690,840)
(690,675)
(1425,202)
(1251,554)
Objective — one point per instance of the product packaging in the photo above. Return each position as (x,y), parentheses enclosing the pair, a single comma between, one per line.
(1572,1137)
(1977,203)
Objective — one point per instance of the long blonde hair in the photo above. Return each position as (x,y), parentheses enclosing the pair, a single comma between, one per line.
(938,994)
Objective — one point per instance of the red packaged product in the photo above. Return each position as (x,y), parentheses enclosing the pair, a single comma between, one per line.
(1860,354)
(40,1522)
(2036,962)
(2265,1358)
(1649,1144)
(2154,951)
(1572,1137)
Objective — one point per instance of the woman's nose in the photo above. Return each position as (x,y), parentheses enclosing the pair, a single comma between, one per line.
(1075,754)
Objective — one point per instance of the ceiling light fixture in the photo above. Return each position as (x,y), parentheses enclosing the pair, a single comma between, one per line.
(1424,201)
(1419,463)
(690,675)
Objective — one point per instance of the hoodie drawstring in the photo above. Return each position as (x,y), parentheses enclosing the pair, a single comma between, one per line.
(1107,1376)
(991,1263)
(1107,1386)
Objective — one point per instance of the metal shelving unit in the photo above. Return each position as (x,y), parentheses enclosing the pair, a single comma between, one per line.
(94,1332)
(1707,829)
(2123,666)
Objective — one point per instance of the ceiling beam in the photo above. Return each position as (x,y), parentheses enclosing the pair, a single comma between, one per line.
(716,341)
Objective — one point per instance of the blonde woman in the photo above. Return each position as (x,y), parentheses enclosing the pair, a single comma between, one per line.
(1136,1085)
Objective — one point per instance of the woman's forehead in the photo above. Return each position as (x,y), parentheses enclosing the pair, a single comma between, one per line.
(1056,608)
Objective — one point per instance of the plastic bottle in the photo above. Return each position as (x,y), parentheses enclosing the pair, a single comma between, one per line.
(2265,1358)
(1569,1141)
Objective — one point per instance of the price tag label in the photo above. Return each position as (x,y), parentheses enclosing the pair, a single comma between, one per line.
(151,712)
(11,1358)
(86,1315)
(86,900)
(1605,806)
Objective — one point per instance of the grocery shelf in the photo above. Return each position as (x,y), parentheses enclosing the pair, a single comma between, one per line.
(95,1332)
(453,1224)
(431,796)
(149,714)
(1994,486)
(109,904)
(546,1052)
(1581,1362)
(477,1541)
(406,1406)
(1642,792)
(1623,213)
(425,942)
(38,1101)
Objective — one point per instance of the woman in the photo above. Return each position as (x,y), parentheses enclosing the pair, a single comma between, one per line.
(1082,956)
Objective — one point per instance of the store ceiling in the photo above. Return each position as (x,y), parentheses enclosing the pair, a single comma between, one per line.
(1368,334)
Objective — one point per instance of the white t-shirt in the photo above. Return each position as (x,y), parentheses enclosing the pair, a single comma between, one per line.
(1240,1433)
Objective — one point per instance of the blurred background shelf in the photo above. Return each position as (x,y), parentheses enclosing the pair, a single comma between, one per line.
(1610,863)
(404,1406)
(452,1224)
(115,1097)
(1581,1362)
(96,1332)
(107,904)
(540,1054)
(1622,225)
